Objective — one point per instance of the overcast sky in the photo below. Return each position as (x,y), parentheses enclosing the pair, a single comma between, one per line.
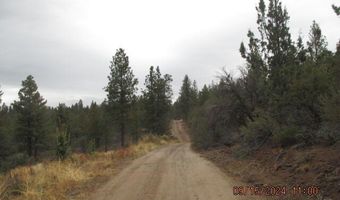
(67,44)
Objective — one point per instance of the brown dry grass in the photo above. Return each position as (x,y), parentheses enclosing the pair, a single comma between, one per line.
(58,180)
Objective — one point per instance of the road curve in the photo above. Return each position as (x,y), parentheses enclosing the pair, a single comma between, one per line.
(173,172)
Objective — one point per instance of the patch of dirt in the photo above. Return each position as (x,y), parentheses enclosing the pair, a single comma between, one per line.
(295,166)
(173,172)
(85,190)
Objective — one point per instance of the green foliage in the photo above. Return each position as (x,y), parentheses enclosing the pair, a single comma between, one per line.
(330,130)
(31,120)
(288,136)
(283,96)
(276,46)
(63,144)
(200,133)
(4,142)
(203,95)
(14,160)
(258,131)
(187,98)
(317,44)
(157,101)
(121,89)
(336,9)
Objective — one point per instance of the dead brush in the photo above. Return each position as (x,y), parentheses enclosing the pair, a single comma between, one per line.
(56,180)
(123,153)
(4,184)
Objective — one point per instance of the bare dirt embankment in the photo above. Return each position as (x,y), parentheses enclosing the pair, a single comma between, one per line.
(173,172)
(294,166)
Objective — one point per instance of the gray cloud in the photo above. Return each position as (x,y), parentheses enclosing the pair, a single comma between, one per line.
(67,45)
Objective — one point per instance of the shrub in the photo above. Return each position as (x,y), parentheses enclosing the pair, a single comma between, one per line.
(288,136)
(15,160)
(200,133)
(330,130)
(63,145)
(257,132)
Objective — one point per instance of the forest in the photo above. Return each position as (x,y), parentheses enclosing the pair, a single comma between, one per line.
(288,93)
(31,131)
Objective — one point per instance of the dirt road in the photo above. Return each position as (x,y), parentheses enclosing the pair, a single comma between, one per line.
(173,172)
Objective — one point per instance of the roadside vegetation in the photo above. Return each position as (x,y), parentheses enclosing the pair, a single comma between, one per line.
(76,176)
(287,93)
(286,96)
(31,131)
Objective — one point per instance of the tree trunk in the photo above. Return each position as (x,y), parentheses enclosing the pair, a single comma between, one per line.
(122,132)
(35,148)
(29,146)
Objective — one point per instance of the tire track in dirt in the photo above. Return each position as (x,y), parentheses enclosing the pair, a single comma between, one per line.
(173,172)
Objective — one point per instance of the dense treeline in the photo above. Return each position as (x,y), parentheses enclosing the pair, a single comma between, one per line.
(287,93)
(30,130)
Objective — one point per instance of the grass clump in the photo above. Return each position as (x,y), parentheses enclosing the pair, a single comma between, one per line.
(58,180)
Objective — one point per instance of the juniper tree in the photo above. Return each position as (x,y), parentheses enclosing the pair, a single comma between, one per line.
(30,122)
(121,90)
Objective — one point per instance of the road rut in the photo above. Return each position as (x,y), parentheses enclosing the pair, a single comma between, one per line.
(173,172)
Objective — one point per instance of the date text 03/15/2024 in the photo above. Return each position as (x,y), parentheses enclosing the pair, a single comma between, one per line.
(270,190)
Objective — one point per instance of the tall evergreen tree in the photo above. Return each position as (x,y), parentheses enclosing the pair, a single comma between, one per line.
(301,56)
(203,95)
(157,97)
(31,122)
(121,89)
(317,44)
(187,97)
(62,131)
(96,126)
(277,49)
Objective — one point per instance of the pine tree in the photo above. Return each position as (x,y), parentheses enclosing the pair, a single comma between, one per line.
(96,126)
(317,44)
(157,97)
(187,97)
(275,48)
(301,51)
(63,143)
(203,95)
(31,122)
(336,9)
(63,133)
(121,90)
